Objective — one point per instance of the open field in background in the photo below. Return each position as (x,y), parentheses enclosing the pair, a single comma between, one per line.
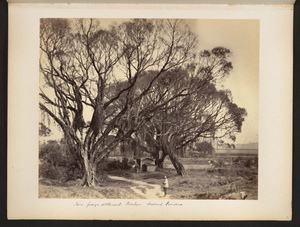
(206,178)
(236,152)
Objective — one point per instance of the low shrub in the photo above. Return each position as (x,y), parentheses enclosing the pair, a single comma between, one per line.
(125,164)
(251,163)
(47,171)
(57,163)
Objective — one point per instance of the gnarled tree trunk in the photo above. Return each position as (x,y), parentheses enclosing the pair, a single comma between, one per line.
(171,148)
(160,161)
(89,177)
(177,165)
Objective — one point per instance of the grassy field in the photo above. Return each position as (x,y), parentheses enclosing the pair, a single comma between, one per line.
(206,178)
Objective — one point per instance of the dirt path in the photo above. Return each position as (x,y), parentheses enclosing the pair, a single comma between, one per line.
(147,191)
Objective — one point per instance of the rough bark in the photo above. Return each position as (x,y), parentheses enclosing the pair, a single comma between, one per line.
(83,180)
(160,161)
(177,165)
(89,177)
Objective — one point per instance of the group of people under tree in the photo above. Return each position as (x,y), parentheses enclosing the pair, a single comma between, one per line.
(140,80)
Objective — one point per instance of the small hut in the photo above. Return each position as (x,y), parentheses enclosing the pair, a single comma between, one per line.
(147,161)
(147,167)
(146,164)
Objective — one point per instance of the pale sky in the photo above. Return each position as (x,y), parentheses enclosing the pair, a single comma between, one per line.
(242,38)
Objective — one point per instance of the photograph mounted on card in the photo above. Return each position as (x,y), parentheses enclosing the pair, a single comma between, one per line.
(134,108)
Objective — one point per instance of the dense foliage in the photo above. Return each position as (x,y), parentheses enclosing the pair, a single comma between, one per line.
(205,147)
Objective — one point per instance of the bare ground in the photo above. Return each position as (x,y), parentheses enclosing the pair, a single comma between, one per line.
(145,190)
(221,181)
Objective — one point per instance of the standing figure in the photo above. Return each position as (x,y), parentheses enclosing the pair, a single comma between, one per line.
(165,185)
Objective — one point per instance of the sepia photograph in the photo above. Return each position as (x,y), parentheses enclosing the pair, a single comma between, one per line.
(150,112)
(163,109)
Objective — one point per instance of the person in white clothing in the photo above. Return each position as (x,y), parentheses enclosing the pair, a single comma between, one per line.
(165,185)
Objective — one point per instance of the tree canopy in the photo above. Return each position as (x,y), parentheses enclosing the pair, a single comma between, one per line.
(140,80)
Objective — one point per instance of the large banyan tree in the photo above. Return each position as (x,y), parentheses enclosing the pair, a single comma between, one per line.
(141,80)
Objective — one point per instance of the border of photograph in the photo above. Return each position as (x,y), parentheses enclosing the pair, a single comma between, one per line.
(275,114)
